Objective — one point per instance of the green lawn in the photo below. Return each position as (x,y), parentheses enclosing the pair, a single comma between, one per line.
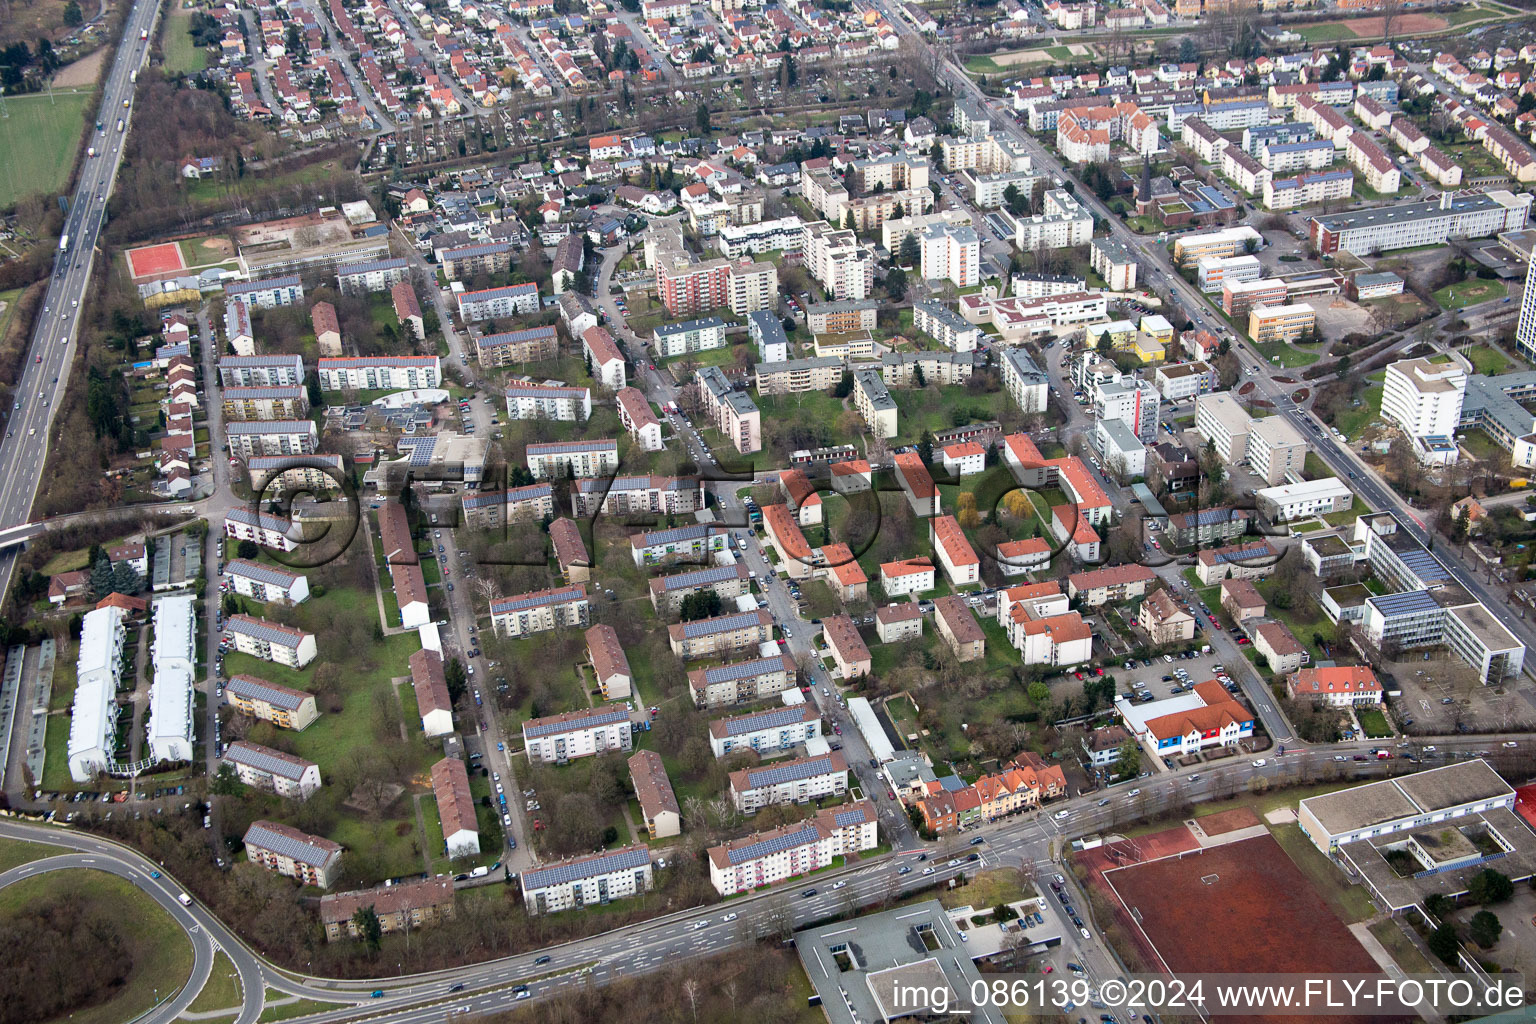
(8,302)
(1352,421)
(38,142)
(297,1008)
(1487,361)
(1323,32)
(222,990)
(1350,902)
(1468,292)
(162,956)
(1374,723)
(56,755)
(1390,934)
(1289,356)
(182,55)
(918,410)
(15,852)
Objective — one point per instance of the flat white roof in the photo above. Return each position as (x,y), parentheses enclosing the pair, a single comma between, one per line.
(874,736)
(175,644)
(1285,494)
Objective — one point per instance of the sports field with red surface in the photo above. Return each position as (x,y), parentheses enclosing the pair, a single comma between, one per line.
(1222,822)
(155,260)
(1240,908)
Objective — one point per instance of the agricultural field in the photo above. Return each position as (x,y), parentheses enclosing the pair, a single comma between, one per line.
(39,137)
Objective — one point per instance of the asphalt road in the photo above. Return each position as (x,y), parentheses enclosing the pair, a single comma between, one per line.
(1033,839)
(45,370)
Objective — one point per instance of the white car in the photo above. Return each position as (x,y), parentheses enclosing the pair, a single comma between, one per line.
(728,918)
(928,871)
(1260,763)
(1134,792)
(839,885)
(1061,815)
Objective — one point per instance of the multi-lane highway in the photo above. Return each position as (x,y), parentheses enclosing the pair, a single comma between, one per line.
(45,373)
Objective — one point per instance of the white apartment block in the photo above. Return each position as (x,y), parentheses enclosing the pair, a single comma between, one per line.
(594,879)
(1424,398)
(560,738)
(370,373)
(580,459)
(1287,502)
(945,326)
(1223,423)
(637,495)
(795,781)
(98,668)
(741,682)
(1213,272)
(271,641)
(1115,263)
(1063,222)
(636,416)
(767,333)
(249,438)
(265,582)
(272,770)
(269,371)
(790,851)
(839,262)
(815,373)
(1275,450)
(1307,189)
(689,336)
(541,610)
(529,401)
(785,234)
(874,402)
(732,412)
(498,303)
(1025,381)
(603,357)
(765,732)
(951,254)
(267,530)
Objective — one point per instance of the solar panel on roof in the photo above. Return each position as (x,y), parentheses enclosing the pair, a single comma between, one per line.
(1405,603)
(609,716)
(621,860)
(288,846)
(725,623)
(790,771)
(741,670)
(851,817)
(265,631)
(764,720)
(265,761)
(535,600)
(773,844)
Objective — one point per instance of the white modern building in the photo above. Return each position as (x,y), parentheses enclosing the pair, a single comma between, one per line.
(689,336)
(264,582)
(1401,805)
(93,717)
(766,858)
(1425,400)
(371,373)
(271,641)
(559,738)
(766,732)
(951,253)
(272,770)
(1288,502)
(175,665)
(583,881)
(529,401)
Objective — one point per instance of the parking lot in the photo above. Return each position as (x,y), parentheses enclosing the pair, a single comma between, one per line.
(1443,696)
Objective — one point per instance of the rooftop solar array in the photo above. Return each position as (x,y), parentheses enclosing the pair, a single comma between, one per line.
(721,624)
(773,844)
(264,760)
(587,867)
(576,720)
(285,845)
(261,573)
(537,600)
(765,720)
(790,771)
(698,531)
(253,688)
(1407,603)
(742,669)
(271,632)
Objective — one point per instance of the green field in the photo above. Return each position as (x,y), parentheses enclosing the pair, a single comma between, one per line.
(1290,356)
(1486,361)
(1468,293)
(15,852)
(1324,31)
(38,140)
(182,55)
(222,990)
(1374,723)
(162,956)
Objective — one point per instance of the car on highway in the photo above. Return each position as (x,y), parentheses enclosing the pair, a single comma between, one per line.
(807,893)
(541,960)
